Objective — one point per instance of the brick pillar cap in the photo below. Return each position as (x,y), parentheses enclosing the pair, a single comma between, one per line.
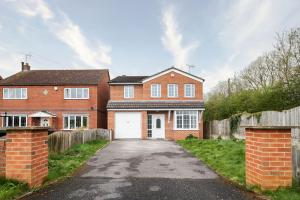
(13,129)
(271,127)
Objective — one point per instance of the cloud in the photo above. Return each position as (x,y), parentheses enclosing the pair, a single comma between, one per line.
(92,53)
(8,61)
(172,40)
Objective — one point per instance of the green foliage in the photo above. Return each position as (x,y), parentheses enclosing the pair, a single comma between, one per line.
(10,189)
(279,97)
(64,164)
(227,157)
(234,121)
(190,136)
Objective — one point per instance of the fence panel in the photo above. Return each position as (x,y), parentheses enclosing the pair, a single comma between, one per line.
(63,140)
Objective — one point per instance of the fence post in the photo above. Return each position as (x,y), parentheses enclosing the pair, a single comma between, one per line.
(27,155)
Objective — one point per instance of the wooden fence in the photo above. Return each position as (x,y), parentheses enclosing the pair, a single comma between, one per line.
(222,129)
(63,140)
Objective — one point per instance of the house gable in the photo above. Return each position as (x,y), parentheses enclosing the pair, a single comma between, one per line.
(175,70)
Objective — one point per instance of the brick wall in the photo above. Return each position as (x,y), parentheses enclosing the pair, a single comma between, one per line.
(143,92)
(27,155)
(2,157)
(268,157)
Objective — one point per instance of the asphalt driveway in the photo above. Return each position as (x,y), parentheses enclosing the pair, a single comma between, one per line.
(143,169)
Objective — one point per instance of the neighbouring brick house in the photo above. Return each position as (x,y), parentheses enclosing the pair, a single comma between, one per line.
(168,105)
(58,99)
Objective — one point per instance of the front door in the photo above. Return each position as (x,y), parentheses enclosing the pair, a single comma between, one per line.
(158,126)
(45,121)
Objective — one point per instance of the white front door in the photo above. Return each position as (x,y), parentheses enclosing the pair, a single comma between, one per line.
(128,125)
(45,121)
(158,126)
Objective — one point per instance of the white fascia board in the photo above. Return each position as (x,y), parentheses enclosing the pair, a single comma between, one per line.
(174,70)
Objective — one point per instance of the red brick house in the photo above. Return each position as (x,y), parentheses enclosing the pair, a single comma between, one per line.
(58,99)
(167,105)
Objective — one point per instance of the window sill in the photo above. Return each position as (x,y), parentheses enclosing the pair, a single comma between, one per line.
(194,129)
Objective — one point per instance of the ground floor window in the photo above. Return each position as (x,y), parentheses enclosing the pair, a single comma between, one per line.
(75,121)
(149,126)
(16,120)
(186,120)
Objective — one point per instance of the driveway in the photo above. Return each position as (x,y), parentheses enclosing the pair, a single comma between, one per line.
(143,169)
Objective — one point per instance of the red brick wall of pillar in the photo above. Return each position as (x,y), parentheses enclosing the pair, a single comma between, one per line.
(268,158)
(27,155)
(2,157)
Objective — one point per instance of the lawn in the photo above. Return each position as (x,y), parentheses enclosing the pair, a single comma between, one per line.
(60,166)
(227,158)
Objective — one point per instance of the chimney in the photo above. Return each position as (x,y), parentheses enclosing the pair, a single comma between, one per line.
(25,67)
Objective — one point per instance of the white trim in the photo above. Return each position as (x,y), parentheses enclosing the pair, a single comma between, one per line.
(128,86)
(183,129)
(75,115)
(174,70)
(15,115)
(125,83)
(88,93)
(14,88)
(175,86)
(157,84)
(193,92)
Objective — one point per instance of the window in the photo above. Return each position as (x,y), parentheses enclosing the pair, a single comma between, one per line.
(128,91)
(158,123)
(186,120)
(75,121)
(149,126)
(14,93)
(155,90)
(172,90)
(76,93)
(15,121)
(189,90)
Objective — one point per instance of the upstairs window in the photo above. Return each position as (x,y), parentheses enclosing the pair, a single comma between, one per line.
(76,93)
(14,93)
(189,90)
(128,91)
(155,90)
(172,90)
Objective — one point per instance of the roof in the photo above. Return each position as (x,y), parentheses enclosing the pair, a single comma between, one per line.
(141,79)
(128,79)
(55,77)
(119,105)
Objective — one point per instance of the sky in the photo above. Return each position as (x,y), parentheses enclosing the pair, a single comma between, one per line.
(142,37)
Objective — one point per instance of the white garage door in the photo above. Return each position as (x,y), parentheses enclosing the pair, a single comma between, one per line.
(128,125)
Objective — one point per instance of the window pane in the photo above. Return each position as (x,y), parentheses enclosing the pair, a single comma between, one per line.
(179,121)
(128,91)
(23,121)
(18,93)
(158,123)
(24,93)
(84,123)
(149,121)
(186,121)
(78,121)
(10,121)
(73,93)
(193,121)
(12,93)
(66,122)
(5,93)
(72,122)
(16,121)
(86,93)
(79,93)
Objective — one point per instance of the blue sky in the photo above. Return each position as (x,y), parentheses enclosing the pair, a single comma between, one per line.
(142,37)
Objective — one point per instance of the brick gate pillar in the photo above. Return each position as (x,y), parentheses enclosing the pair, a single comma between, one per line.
(268,157)
(27,155)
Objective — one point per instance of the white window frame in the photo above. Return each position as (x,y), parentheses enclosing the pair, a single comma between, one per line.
(192,92)
(173,87)
(194,113)
(75,115)
(8,91)
(76,93)
(128,91)
(5,121)
(156,94)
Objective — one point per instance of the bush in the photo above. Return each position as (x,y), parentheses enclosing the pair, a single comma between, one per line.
(190,136)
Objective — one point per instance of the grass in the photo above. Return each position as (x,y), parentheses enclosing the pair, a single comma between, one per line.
(60,166)
(227,158)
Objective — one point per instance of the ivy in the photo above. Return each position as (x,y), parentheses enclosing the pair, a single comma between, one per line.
(234,122)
